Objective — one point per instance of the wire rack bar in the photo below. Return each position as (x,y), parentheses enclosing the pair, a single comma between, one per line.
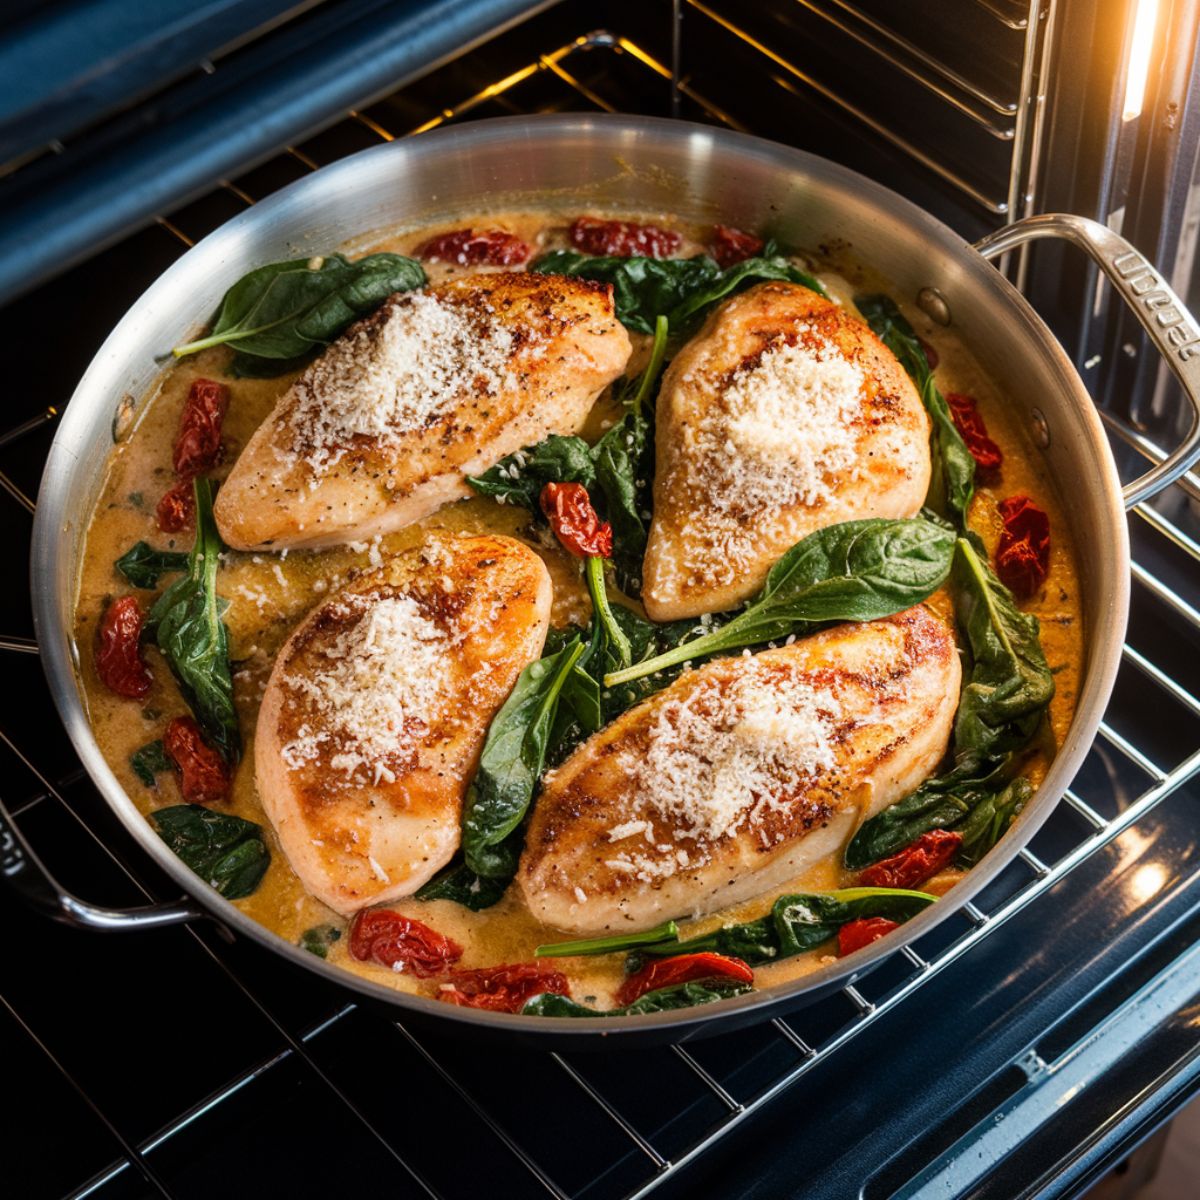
(935,66)
(706,1079)
(1085,810)
(1160,677)
(992,205)
(513,1145)
(614,1114)
(1166,594)
(1119,742)
(1148,448)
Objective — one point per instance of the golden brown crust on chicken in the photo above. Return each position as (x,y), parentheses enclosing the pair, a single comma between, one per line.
(436,385)
(376,709)
(783,415)
(740,775)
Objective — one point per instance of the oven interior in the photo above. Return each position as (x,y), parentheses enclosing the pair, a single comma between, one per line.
(1021,1048)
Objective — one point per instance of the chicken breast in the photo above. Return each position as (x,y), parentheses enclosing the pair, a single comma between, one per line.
(436,385)
(785,414)
(740,775)
(375,713)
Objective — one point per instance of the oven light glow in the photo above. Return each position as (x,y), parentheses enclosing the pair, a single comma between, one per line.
(1146,882)
(1140,46)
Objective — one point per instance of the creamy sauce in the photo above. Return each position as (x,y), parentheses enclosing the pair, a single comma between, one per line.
(269,594)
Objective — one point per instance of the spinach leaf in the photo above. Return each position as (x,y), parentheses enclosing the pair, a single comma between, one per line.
(855,571)
(680,289)
(797,923)
(943,802)
(643,288)
(149,760)
(226,852)
(679,995)
(186,622)
(319,938)
(990,818)
(514,754)
(1010,684)
(284,310)
(141,564)
(668,931)
(952,483)
(459,883)
(519,478)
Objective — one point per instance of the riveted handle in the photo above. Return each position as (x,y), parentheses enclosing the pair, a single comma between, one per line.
(25,873)
(1171,327)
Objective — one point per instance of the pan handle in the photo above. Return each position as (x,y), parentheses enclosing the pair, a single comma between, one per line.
(1171,327)
(25,873)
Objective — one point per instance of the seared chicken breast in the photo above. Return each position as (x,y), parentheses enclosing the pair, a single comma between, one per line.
(434,386)
(375,713)
(785,414)
(740,775)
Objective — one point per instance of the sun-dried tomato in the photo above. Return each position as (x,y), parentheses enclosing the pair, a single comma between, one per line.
(623,239)
(854,935)
(385,937)
(918,861)
(931,355)
(177,509)
(1023,556)
(683,968)
(197,449)
(204,776)
(502,989)
(965,411)
(731,245)
(118,656)
(574,520)
(475,247)
(198,443)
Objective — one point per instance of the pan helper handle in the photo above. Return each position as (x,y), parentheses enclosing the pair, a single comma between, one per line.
(25,873)
(1171,328)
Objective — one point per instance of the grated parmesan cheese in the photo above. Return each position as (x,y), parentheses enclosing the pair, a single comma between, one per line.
(396,374)
(779,433)
(721,757)
(379,681)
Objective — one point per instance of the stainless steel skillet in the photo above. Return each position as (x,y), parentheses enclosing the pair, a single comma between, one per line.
(620,163)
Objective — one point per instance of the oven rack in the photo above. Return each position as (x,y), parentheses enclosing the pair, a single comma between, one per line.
(1102,806)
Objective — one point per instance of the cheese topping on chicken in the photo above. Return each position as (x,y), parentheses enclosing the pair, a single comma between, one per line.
(384,428)
(376,710)
(740,775)
(783,415)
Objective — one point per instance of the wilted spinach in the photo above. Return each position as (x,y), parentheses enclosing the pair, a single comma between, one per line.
(514,754)
(680,995)
(319,938)
(457,882)
(680,289)
(149,760)
(186,622)
(952,483)
(285,310)
(226,852)
(796,923)
(518,478)
(855,571)
(142,565)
